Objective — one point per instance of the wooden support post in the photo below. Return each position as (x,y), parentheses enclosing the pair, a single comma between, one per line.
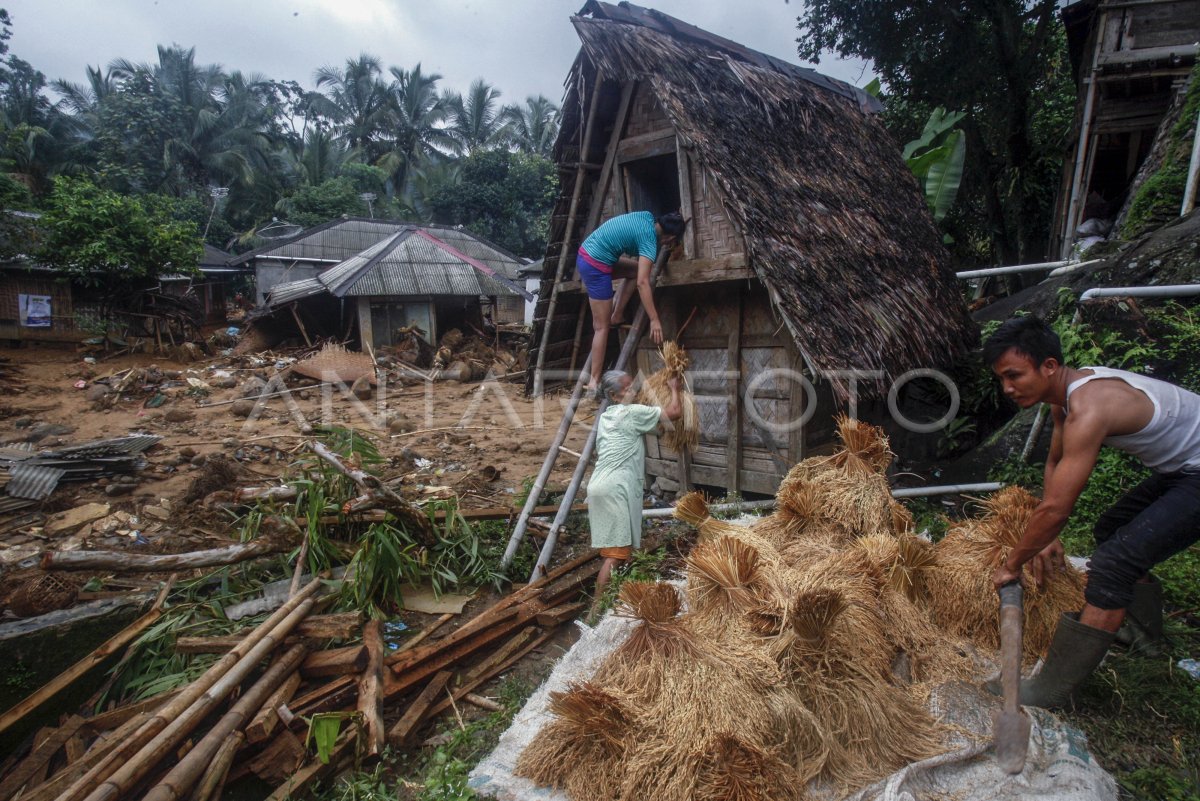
(300,323)
(733,446)
(686,206)
(568,232)
(370,687)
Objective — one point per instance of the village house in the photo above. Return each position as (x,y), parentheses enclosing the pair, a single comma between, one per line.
(809,248)
(433,277)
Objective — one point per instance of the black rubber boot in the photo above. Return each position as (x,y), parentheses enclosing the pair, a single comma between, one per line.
(1142,630)
(1074,653)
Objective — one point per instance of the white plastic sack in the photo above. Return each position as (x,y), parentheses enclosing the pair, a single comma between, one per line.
(1059,765)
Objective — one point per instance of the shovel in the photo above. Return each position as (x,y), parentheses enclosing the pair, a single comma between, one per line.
(1010,725)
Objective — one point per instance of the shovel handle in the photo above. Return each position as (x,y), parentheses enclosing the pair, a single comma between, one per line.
(1012,619)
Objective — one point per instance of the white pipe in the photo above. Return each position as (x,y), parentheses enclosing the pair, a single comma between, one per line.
(1016,268)
(911,492)
(1070,268)
(946,489)
(1175,290)
(1189,194)
(716,507)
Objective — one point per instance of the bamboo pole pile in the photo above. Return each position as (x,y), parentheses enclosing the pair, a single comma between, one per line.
(805,651)
(247,714)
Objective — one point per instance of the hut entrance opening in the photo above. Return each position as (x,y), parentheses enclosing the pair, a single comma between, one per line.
(652,184)
(389,317)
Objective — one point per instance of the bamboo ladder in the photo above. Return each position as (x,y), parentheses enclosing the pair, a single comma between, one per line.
(584,456)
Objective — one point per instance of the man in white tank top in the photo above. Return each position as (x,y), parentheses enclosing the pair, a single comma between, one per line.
(1092,406)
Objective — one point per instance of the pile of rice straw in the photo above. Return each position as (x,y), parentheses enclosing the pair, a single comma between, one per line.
(805,650)
(682,434)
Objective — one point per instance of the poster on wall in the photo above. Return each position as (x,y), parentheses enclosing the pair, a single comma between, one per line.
(34,310)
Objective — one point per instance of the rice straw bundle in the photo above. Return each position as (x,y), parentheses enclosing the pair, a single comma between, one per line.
(693,510)
(692,699)
(582,750)
(724,577)
(661,634)
(801,520)
(865,448)
(902,519)
(683,435)
(871,728)
(731,770)
(802,741)
(960,589)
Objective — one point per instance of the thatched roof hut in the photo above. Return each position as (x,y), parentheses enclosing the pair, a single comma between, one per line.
(805,218)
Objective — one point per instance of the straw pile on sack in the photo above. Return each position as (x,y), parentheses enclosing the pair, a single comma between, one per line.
(682,434)
(960,589)
(805,650)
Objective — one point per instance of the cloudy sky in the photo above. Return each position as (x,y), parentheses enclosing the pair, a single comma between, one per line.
(524,47)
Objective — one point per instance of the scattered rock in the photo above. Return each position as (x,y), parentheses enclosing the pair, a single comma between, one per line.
(399,425)
(43,430)
(229,442)
(362,388)
(306,429)
(223,382)
(187,451)
(157,512)
(113,490)
(199,459)
(253,387)
(74,518)
(243,407)
(23,422)
(177,414)
(97,392)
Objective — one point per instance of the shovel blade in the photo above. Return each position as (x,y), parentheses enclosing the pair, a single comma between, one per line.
(1011,733)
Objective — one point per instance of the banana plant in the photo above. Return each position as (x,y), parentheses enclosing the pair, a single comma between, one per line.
(936,158)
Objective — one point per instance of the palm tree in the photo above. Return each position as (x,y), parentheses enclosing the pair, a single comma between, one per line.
(417,113)
(356,99)
(532,128)
(82,100)
(316,158)
(475,122)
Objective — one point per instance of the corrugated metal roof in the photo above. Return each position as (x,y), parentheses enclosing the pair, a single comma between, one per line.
(412,262)
(281,294)
(33,481)
(133,443)
(334,241)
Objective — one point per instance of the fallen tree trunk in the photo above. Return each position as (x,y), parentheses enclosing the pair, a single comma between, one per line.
(156,563)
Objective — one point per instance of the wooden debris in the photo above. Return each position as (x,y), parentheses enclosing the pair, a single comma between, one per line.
(482,703)
(335,662)
(559,614)
(213,780)
(32,769)
(370,687)
(402,732)
(267,719)
(162,563)
(299,780)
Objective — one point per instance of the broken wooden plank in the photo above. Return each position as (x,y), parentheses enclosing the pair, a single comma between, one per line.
(486,671)
(298,781)
(113,718)
(335,662)
(99,750)
(278,760)
(97,657)
(267,719)
(31,770)
(370,687)
(418,710)
(559,614)
(430,629)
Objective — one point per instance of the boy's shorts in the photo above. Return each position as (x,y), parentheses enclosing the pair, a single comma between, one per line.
(598,283)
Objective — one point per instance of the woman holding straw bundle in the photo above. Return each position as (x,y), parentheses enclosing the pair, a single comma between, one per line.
(615,489)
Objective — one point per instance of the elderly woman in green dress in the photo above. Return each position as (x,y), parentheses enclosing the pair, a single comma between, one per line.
(615,489)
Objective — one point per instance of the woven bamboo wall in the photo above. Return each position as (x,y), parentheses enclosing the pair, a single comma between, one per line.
(715,234)
(61,306)
(645,114)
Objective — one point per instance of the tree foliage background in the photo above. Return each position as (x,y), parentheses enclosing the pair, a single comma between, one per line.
(1004,64)
(366,140)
